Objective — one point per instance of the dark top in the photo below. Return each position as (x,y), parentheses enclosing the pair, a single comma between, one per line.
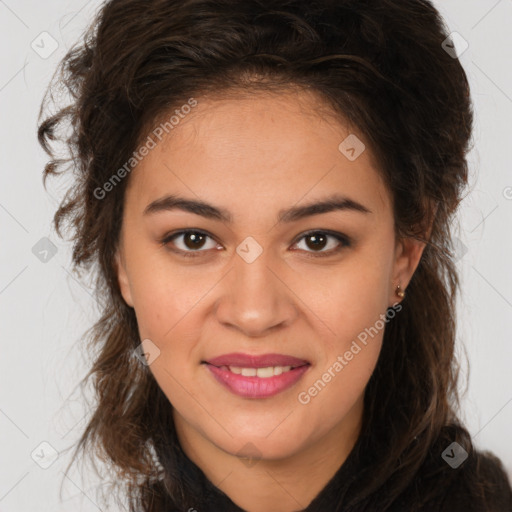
(478,484)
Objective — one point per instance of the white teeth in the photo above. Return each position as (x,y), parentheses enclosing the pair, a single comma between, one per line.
(264,373)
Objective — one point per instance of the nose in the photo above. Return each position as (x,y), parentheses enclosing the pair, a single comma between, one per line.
(255,297)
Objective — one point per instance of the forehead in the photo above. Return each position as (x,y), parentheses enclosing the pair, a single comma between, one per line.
(274,148)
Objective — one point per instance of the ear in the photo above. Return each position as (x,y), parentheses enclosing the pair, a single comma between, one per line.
(407,258)
(408,251)
(122,278)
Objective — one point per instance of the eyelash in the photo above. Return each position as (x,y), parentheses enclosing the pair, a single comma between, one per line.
(343,239)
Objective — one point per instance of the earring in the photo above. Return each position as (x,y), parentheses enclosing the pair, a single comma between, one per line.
(400,292)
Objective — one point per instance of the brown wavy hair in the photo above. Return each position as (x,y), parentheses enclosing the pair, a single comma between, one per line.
(380,65)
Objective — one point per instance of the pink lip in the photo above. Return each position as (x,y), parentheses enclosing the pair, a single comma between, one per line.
(249,361)
(256,387)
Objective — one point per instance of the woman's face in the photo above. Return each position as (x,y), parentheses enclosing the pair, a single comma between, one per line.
(259,279)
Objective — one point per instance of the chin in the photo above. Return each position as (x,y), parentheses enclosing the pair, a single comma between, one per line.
(255,446)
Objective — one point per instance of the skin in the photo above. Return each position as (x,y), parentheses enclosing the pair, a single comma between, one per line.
(254,155)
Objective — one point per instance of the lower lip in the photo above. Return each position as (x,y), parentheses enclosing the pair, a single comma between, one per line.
(257,387)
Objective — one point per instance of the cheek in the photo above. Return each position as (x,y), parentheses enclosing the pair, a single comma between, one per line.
(349,300)
(163,294)
(336,390)
(352,306)
(347,361)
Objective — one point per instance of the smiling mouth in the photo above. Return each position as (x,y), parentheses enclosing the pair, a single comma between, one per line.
(256,376)
(262,373)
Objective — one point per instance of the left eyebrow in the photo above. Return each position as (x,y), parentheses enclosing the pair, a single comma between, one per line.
(332,203)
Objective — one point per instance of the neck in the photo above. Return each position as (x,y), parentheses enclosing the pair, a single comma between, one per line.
(278,485)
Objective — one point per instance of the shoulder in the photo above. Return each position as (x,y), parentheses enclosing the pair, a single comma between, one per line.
(454,479)
(481,485)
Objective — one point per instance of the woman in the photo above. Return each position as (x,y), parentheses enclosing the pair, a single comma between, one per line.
(265,189)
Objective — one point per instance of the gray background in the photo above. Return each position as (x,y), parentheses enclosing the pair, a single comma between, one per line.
(44,309)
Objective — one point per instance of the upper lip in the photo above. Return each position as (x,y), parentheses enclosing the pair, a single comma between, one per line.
(256,361)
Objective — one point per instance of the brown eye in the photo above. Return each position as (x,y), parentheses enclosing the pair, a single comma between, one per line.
(317,241)
(194,240)
(189,242)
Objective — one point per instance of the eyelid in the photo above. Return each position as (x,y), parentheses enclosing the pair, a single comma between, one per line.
(343,239)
